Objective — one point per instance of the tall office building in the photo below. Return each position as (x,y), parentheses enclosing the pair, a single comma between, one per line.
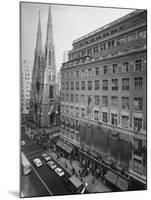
(103,95)
(65,56)
(26,76)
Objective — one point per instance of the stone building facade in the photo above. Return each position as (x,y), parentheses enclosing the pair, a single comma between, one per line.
(26,76)
(44,104)
(103,94)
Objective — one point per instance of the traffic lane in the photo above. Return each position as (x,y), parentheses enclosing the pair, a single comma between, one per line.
(39,154)
(55,183)
(31,186)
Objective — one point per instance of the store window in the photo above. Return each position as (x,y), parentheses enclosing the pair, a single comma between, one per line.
(96,97)
(138,103)
(83,99)
(125,103)
(97,84)
(114,119)
(125,121)
(138,83)
(83,85)
(114,100)
(67,85)
(97,71)
(138,123)
(104,117)
(125,84)
(114,84)
(105,68)
(105,85)
(72,98)
(72,85)
(114,68)
(137,165)
(105,100)
(125,66)
(77,85)
(89,85)
(138,65)
(77,98)
(96,115)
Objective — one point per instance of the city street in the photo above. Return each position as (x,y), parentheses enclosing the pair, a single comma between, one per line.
(43,181)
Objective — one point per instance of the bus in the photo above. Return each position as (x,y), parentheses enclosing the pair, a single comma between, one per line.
(26,166)
(76,186)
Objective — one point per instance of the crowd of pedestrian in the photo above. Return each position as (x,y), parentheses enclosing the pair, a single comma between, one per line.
(84,169)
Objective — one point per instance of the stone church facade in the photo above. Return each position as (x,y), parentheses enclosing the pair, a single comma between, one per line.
(44,104)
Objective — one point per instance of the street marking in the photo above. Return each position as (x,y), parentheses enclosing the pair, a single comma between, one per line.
(42,180)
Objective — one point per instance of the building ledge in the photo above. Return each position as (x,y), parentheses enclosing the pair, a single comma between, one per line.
(137,176)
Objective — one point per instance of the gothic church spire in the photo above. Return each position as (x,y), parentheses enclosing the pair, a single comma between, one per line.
(49,37)
(39,37)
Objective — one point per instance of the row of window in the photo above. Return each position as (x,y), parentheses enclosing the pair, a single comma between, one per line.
(110,44)
(138,84)
(114,118)
(115,101)
(115,68)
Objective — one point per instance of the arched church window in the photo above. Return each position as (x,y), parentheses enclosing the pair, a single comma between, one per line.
(49,57)
(39,61)
(38,86)
(50,91)
(36,107)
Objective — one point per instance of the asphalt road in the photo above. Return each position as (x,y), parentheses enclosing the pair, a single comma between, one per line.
(43,181)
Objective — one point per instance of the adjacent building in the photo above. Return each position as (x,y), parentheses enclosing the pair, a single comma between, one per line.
(44,104)
(26,76)
(65,56)
(103,95)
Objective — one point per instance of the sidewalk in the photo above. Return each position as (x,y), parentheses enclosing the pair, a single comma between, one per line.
(94,185)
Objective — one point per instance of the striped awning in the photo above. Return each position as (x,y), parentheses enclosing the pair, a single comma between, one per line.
(122,183)
(111,177)
(59,143)
(116,180)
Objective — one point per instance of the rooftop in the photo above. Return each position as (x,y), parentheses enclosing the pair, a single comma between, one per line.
(109,25)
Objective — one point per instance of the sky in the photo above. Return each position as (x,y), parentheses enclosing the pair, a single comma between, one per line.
(69,23)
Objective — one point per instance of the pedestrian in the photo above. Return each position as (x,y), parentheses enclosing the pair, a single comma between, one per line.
(93,181)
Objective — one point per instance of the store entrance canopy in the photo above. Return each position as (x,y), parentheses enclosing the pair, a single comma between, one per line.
(111,177)
(122,184)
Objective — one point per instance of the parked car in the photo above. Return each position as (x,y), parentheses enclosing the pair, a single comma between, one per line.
(59,171)
(37,162)
(51,164)
(46,157)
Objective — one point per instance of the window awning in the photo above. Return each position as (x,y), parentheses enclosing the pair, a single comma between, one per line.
(69,149)
(64,146)
(107,162)
(116,180)
(75,181)
(59,144)
(111,177)
(122,183)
